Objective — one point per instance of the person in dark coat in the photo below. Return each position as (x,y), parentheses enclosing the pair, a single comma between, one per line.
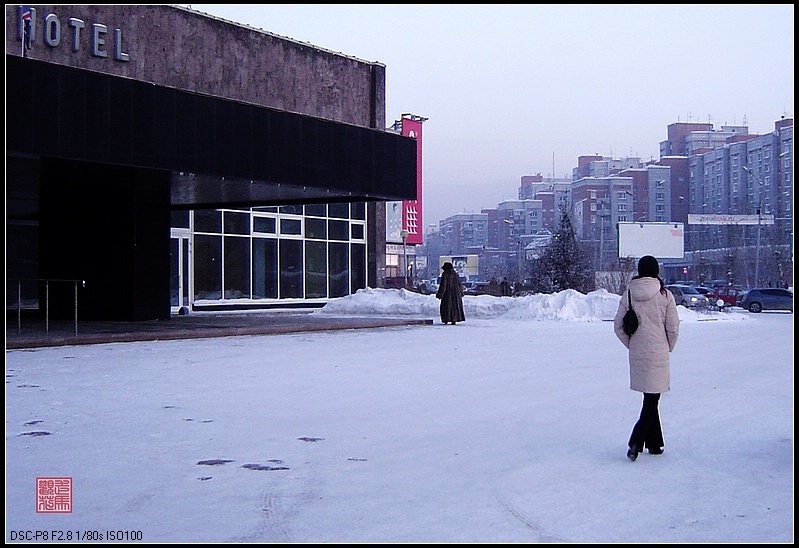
(493,288)
(450,292)
(505,289)
(649,350)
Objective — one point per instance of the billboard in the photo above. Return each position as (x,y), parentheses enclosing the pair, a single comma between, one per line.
(394,222)
(661,240)
(467,266)
(695,219)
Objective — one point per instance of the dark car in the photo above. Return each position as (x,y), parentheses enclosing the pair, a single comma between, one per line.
(687,296)
(767,298)
(476,288)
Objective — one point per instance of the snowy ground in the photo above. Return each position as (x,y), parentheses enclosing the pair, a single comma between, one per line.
(510,427)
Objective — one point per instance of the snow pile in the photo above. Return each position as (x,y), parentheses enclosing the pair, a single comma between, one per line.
(568,305)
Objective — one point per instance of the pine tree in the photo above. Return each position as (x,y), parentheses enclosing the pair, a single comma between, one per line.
(564,264)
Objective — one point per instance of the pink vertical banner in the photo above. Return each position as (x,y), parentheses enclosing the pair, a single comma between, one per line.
(412,209)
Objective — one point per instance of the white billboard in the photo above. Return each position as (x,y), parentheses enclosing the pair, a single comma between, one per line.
(394,222)
(661,240)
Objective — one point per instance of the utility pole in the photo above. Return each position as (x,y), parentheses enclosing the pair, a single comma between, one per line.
(404,235)
(759,206)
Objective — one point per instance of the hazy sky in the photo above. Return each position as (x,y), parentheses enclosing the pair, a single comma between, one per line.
(513,90)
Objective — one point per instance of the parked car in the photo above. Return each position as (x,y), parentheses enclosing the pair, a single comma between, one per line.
(687,296)
(767,298)
(475,288)
(729,294)
(703,290)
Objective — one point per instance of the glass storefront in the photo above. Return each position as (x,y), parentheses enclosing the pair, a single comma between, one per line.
(257,255)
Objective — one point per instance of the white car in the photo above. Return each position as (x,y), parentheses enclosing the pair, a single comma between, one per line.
(688,296)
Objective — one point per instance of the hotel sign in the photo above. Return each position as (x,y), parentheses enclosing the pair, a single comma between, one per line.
(75,32)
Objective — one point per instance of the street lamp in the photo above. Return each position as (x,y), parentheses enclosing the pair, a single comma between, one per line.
(602,214)
(759,205)
(404,235)
(507,244)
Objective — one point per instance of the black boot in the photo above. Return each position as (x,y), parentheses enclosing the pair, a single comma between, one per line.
(632,452)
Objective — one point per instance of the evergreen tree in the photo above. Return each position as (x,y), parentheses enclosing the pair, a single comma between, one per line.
(564,264)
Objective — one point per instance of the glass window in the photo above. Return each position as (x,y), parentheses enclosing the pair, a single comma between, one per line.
(207,267)
(358,211)
(339,211)
(316,259)
(339,230)
(290,258)
(291,209)
(264,268)
(315,270)
(237,267)
(174,272)
(208,220)
(316,210)
(237,223)
(358,267)
(290,226)
(339,263)
(266,225)
(316,228)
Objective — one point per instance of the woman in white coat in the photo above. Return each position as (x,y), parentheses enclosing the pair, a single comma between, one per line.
(649,349)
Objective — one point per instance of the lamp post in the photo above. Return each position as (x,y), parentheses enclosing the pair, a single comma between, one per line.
(602,214)
(404,235)
(759,205)
(431,274)
(506,246)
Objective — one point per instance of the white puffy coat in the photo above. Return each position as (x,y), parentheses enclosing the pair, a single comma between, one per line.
(658,328)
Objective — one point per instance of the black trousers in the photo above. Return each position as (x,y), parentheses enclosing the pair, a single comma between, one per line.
(647,432)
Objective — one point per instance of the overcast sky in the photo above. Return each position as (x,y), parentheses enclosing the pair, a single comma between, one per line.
(513,90)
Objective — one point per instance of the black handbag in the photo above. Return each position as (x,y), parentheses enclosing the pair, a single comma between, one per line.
(630,320)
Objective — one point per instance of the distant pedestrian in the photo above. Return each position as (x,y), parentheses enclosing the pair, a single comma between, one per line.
(649,349)
(504,288)
(450,292)
(493,287)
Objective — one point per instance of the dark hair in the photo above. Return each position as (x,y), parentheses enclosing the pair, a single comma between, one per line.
(648,268)
(447,266)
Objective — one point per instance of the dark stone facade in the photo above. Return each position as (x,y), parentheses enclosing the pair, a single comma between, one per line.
(198,112)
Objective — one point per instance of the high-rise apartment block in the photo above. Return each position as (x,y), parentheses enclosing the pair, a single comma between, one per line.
(724,173)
